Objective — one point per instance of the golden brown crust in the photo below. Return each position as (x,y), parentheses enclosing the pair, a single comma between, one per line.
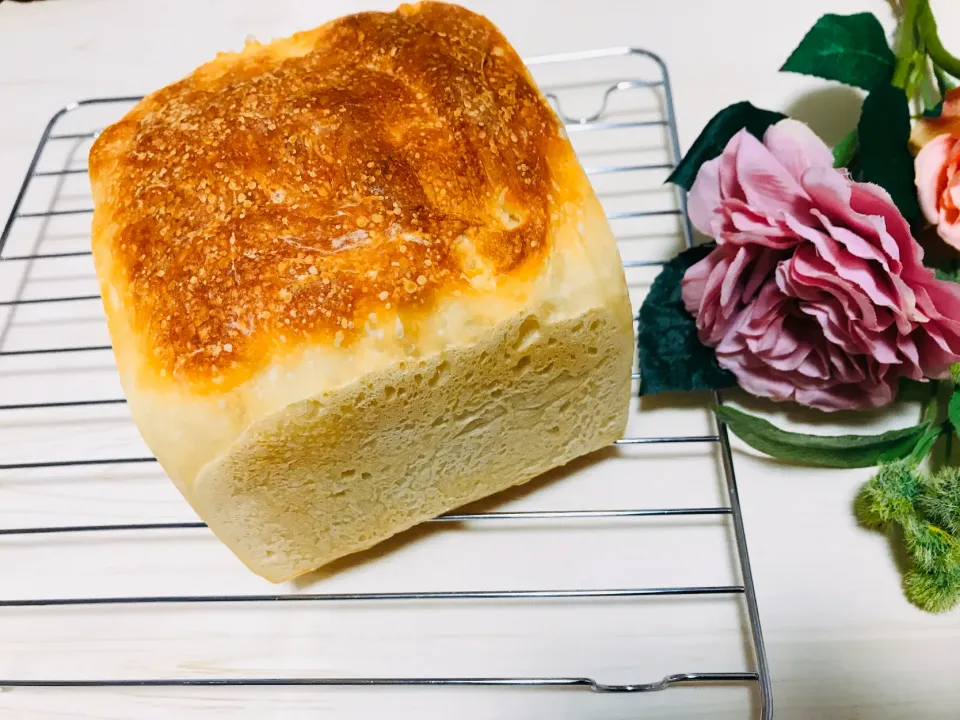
(279,195)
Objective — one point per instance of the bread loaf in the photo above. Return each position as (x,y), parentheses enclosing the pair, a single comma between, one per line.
(354,279)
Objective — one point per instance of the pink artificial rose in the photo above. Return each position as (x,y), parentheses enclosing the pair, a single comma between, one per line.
(938,168)
(816,291)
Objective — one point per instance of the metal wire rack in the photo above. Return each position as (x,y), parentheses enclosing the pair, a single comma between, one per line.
(623,182)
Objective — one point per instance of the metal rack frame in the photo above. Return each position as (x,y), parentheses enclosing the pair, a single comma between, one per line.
(594,122)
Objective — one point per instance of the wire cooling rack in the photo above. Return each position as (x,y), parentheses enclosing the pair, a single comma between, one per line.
(88,513)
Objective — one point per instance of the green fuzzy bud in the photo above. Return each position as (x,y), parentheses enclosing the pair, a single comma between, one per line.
(889,495)
(955,373)
(933,592)
(939,499)
(931,548)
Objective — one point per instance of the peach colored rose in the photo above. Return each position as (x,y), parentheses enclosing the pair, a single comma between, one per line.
(938,168)
(926,129)
(816,291)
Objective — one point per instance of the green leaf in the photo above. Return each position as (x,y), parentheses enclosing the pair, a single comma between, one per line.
(924,444)
(953,410)
(671,355)
(945,268)
(715,136)
(851,49)
(845,150)
(885,158)
(840,451)
(931,410)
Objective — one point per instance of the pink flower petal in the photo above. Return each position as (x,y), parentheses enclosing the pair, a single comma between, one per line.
(736,223)
(867,210)
(849,267)
(761,272)
(766,184)
(704,198)
(806,275)
(727,169)
(730,289)
(758,381)
(874,204)
(832,319)
(797,147)
(848,397)
(931,181)
(911,357)
(813,367)
(845,371)
(853,242)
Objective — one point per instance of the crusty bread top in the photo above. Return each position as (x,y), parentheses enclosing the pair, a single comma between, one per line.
(277,196)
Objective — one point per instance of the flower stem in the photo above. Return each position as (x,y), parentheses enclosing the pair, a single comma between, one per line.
(907,48)
(927,28)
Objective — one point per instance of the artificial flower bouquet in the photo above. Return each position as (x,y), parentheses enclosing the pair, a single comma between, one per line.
(814,288)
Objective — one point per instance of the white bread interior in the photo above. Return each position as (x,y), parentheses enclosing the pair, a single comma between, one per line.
(334,474)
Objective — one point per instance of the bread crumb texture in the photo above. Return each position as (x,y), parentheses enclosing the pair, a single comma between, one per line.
(278,196)
(404,446)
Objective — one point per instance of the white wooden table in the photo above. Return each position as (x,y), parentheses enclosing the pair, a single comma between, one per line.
(843,642)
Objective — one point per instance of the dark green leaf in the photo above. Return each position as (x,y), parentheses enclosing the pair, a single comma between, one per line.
(851,49)
(715,136)
(885,157)
(671,355)
(914,390)
(935,111)
(840,451)
(944,85)
(854,166)
(953,410)
(845,150)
